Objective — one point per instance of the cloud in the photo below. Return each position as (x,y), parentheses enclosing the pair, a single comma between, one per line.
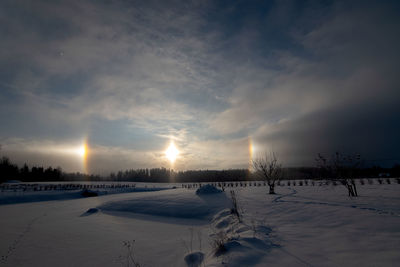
(132,75)
(338,97)
(372,132)
(142,64)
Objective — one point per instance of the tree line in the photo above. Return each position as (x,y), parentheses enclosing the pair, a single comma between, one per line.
(161,175)
(11,171)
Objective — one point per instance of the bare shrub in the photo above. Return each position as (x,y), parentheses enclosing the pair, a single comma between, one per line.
(218,242)
(340,168)
(235,207)
(269,169)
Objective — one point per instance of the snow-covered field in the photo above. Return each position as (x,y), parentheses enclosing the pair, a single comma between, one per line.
(299,226)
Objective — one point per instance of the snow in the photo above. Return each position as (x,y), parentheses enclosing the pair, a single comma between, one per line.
(90,212)
(19,195)
(208,189)
(170,204)
(12,182)
(299,226)
(194,259)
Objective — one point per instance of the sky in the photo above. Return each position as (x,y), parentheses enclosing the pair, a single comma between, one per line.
(225,81)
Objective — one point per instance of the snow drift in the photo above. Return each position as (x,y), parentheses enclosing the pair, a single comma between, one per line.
(183,204)
(207,189)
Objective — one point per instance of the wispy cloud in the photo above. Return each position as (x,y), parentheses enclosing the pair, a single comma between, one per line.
(132,75)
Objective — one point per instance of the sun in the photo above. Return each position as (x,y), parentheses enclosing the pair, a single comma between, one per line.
(82,151)
(172,152)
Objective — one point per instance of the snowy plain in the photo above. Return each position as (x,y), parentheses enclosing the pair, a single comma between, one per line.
(299,226)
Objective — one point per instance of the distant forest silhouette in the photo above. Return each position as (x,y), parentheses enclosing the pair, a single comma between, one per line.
(11,171)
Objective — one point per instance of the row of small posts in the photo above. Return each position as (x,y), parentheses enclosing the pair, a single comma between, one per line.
(291,183)
(64,187)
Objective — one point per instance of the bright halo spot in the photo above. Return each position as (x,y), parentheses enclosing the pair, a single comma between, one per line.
(172,152)
(81,151)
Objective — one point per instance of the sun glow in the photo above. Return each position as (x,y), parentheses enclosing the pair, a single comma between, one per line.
(251,152)
(172,152)
(82,152)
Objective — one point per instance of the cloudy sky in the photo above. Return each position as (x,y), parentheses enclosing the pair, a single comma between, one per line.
(223,80)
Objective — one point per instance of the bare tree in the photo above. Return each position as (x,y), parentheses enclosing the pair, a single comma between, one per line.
(269,169)
(341,168)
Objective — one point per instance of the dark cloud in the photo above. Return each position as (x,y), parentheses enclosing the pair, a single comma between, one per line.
(371,131)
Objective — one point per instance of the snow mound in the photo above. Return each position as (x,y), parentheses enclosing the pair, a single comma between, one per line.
(244,243)
(23,197)
(181,204)
(12,182)
(207,189)
(194,259)
(90,212)
(233,245)
(89,193)
(12,196)
(224,222)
